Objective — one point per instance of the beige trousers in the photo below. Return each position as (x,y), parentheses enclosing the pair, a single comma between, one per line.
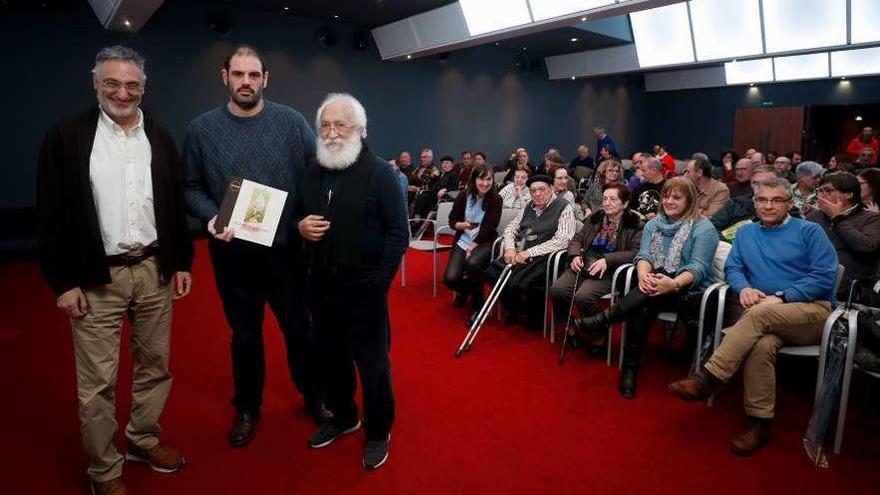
(753,341)
(138,292)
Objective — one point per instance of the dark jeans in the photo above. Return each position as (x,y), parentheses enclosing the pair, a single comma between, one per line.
(352,328)
(526,282)
(465,273)
(248,276)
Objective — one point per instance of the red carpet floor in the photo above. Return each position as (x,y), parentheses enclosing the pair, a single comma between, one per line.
(503,419)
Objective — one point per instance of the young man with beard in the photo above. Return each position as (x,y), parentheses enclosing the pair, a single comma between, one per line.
(865,139)
(113,241)
(355,230)
(271,144)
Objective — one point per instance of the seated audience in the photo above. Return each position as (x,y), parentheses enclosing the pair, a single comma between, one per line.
(606,153)
(724,171)
(667,160)
(422,178)
(516,194)
(866,159)
(783,168)
(740,210)
(713,194)
(563,187)
(771,157)
(446,181)
(783,270)
(401,179)
(609,172)
(582,164)
(739,181)
(404,162)
(796,158)
(647,194)
(803,191)
(463,168)
(520,159)
(544,226)
(634,176)
(838,163)
(609,238)
(854,231)
(550,161)
(865,139)
(474,217)
(869,180)
(757,158)
(675,257)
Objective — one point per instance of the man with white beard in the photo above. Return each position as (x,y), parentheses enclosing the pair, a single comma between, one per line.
(272,144)
(355,228)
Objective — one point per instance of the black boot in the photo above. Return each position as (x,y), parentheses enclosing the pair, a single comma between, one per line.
(634,300)
(627,385)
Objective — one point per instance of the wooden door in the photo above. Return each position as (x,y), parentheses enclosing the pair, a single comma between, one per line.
(779,129)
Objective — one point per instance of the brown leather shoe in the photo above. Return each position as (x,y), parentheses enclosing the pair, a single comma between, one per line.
(693,388)
(755,434)
(109,487)
(161,458)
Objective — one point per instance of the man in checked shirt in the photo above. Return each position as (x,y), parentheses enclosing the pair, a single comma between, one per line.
(544,226)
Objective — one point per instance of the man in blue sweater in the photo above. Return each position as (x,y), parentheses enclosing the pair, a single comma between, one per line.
(271,144)
(784,270)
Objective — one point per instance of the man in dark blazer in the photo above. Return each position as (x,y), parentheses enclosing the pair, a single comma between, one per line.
(113,240)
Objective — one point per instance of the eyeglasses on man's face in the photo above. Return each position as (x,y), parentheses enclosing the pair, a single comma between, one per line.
(131,86)
(341,127)
(776,202)
(826,190)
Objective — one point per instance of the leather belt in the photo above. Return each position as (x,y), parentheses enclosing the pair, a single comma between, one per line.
(132,257)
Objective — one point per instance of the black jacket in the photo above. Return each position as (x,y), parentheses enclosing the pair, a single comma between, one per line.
(628,240)
(69,234)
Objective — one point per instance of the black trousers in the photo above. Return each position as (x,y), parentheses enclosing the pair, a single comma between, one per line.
(465,273)
(350,316)
(248,276)
(527,282)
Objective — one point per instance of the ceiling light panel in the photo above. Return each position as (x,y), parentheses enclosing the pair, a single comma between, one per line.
(662,36)
(548,9)
(804,24)
(724,29)
(486,16)
(749,71)
(859,62)
(797,67)
(865,21)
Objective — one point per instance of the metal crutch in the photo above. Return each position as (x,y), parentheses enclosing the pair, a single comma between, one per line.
(474,329)
(577,276)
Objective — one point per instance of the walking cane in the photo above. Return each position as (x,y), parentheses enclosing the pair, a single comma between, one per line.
(568,321)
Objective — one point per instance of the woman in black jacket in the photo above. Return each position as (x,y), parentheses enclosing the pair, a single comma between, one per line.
(474,216)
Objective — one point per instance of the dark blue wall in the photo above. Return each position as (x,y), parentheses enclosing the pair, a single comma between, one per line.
(702,120)
(477,100)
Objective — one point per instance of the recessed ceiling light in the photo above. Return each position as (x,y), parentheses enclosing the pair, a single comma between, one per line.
(497,43)
(572,78)
(584,19)
(127,23)
(858,118)
(286,8)
(335,16)
(573,40)
(408,57)
(843,78)
(752,85)
(524,48)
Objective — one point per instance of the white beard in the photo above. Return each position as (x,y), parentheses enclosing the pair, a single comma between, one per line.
(339,158)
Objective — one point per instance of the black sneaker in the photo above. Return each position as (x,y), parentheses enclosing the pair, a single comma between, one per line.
(376,452)
(327,433)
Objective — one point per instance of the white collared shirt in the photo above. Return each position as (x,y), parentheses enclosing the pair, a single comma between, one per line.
(119,172)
